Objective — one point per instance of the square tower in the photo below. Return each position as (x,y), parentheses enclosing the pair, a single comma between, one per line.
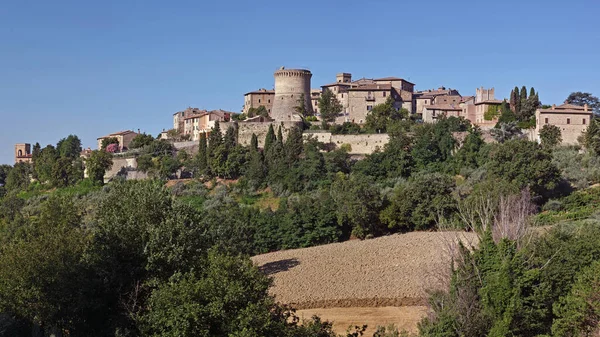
(22,153)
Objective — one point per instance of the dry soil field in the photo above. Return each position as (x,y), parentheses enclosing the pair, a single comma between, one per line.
(373,282)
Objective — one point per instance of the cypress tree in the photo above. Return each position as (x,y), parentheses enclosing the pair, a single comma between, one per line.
(523,94)
(270,138)
(531,92)
(215,139)
(280,136)
(254,142)
(202,153)
(294,145)
(229,139)
(513,100)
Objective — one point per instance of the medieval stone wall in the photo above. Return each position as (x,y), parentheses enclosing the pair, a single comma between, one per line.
(359,144)
(260,129)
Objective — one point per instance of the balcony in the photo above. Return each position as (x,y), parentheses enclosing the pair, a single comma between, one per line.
(370,98)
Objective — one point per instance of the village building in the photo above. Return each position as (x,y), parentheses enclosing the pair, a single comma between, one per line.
(359,97)
(432,112)
(204,122)
(484,101)
(180,116)
(260,97)
(423,98)
(124,138)
(571,119)
(23,153)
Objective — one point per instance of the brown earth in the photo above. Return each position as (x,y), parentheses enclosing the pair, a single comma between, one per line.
(392,271)
(404,318)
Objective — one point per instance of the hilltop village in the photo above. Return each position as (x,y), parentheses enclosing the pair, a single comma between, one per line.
(294,100)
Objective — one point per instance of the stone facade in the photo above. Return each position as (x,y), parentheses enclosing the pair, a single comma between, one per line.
(360,96)
(484,100)
(202,123)
(421,99)
(255,99)
(290,85)
(571,119)
(180,116)
(124,138)
(432,112)
(359,144)
(260,129)
(23,153)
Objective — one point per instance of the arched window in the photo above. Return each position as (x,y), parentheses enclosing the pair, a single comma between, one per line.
(20,153)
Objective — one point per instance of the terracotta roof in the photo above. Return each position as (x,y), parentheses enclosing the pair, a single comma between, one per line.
(120,133)
(371,87)
(392,79)
(570,106)
(336,83)
(490,101)
(260,91)
(220,113)
(567,111)
(466,98)
(442,107)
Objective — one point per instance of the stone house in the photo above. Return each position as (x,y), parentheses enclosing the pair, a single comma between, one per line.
(180,116)
(433,97)
(432,112)
(484,100)
(360,96)
(124,138)
(23,153)
(571,119)
(202,123)
(255,99)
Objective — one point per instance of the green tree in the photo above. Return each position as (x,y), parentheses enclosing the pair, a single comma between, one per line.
(45,163)
(254,142)
(578,313)
(19,177)
(591,137)
(468,154)
(66,172)
(260,111)
(300,109)
(383,115)
(329,106)
(526,164)
(581,98)
(358,204)
(504,132)
(141,140)
(419,203)
(293,145)
(69,147)
(202,154)
(270,138)
(107,141)
(97,164)
(550,136)
(4,171)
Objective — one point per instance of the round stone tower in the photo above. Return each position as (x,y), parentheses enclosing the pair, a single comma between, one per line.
(290,85)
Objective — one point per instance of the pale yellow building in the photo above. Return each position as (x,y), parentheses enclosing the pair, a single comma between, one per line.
(124,138)
(203,123)
(571,119)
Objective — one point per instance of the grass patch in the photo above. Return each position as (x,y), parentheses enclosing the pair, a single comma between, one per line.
(578,206)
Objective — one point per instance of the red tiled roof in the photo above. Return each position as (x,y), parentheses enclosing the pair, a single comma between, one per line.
(570,106)
(391,78)
(372,87)
(491,101)
(337,83)
(442,107)
(260,92)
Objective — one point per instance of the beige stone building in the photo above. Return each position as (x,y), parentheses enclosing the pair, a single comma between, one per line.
(255,99)
(124,138)
(439,96)
(180,116)
(204,122)
(571,119)
(360,96)
(484,100)
(23,153)
(432,112)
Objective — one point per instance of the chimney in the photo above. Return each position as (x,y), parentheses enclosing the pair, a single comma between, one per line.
(585,107)
(553,106)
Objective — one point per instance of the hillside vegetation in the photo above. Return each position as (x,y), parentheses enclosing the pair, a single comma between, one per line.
(137,258)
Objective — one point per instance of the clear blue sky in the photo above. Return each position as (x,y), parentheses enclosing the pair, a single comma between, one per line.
(94,67)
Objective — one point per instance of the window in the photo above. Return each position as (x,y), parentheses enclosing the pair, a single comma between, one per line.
(20,153)
(426,102)
(259,100)
(584,121)
(369,107)
(269,101)
(384,93)
(546,120)
(568,120)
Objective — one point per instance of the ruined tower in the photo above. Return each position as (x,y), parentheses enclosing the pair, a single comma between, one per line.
(290,85)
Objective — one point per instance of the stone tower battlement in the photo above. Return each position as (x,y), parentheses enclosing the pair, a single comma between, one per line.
(290,85)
